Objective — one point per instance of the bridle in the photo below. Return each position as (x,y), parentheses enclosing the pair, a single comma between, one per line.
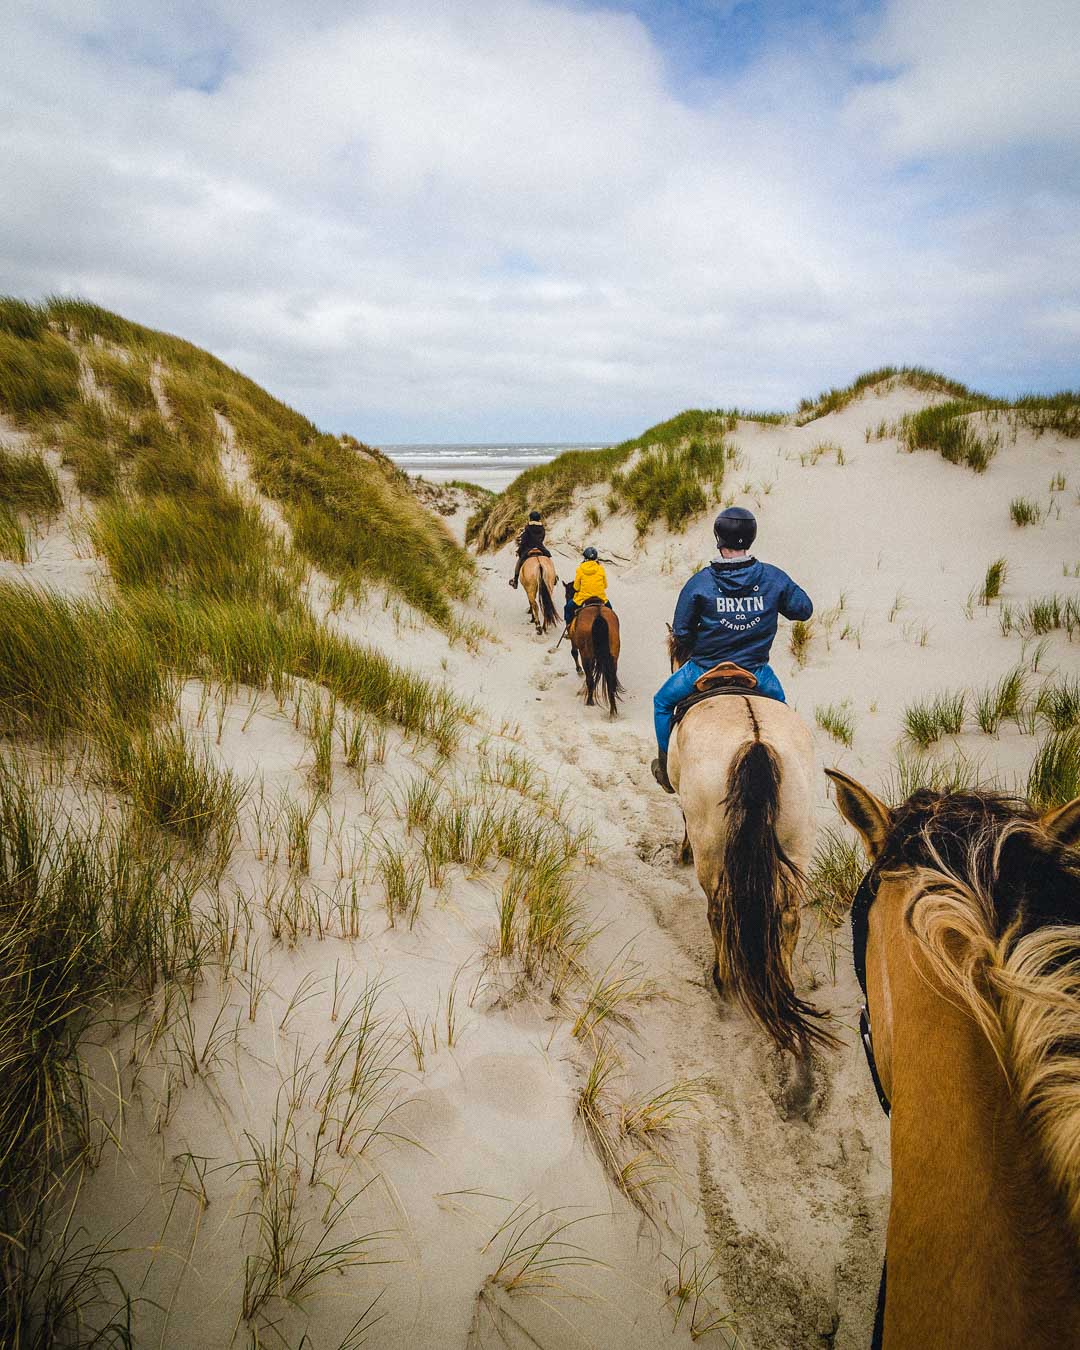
(860,930)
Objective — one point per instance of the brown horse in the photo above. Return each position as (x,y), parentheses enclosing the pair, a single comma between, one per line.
(971,920)
(742,766)
(594,645)
(539,579)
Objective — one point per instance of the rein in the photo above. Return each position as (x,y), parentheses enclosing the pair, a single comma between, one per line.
(860,931)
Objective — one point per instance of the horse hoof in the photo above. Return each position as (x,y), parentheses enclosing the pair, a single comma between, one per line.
(798,1095)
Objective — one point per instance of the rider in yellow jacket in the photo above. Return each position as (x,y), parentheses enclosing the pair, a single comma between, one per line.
(590,583)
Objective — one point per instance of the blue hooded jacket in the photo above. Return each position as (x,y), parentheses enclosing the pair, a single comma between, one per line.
(730,610)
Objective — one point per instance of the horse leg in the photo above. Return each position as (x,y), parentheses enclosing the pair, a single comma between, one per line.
(720,965)
(574,654)
(590,682)
(686,853)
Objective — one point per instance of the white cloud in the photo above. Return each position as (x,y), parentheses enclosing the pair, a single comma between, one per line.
(978,76)
(414,219)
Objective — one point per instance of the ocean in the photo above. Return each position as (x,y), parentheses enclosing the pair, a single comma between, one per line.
(491,466)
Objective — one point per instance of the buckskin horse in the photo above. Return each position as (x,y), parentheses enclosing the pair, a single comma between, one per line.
(539,579)
(966,936)
(594,645)
(743,766)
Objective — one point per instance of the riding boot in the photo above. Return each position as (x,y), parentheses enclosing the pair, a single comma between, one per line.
(514,582)
(659,771)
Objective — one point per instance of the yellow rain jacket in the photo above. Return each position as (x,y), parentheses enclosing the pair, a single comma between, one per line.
(589,580)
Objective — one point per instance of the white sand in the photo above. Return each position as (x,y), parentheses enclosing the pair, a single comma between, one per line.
(783,1218)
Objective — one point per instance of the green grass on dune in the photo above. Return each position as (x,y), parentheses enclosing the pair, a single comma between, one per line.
(914,377)
(949,428)
(550,488)
(672,483)
(73,666)
(27,483)
(352,513)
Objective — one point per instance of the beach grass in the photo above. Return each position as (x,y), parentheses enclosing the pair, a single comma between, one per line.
(993,580)
(1024,511)
(834,874)
(28,483)
(1054,776)
(927,720)
(1004,699)
(837,720)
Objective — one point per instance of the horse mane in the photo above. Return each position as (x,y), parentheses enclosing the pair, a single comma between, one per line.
(678,652)
(996,911)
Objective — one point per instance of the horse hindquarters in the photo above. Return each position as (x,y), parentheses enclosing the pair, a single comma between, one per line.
(605,646)
(754,904)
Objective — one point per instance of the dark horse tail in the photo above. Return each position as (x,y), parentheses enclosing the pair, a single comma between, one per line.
(604,667)
(547,605)
(757,884)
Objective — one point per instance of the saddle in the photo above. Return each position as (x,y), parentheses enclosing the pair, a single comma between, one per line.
(535,553)
(725,678)
(592,600)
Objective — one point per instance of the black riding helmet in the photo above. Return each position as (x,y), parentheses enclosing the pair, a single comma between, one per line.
(735,527)
(590,554)
(534,515)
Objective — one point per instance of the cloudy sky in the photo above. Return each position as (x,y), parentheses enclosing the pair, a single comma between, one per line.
(488,219)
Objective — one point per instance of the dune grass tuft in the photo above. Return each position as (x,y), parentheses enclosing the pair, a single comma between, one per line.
(1024,511)
(927,720)
(176,785)
(672,483)
(14,540)
(834,875)
(207,543)
(910,772)
(1058,704)
(838,720)
(802,634)
(1004,699)
(993,581)
(28,483)
(1054,776)
(948,429)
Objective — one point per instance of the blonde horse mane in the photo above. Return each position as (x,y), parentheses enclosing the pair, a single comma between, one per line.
(1021,987)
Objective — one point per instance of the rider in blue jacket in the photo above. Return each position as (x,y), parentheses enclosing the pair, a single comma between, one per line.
(727,612)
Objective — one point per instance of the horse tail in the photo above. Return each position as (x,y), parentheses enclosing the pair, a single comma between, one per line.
(758,883)
(547,605)
(605,661)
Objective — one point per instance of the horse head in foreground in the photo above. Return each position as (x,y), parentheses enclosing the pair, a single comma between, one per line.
(967,938)
(742,766)
(539,579)
(595,646)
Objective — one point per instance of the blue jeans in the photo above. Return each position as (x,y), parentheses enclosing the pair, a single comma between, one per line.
(675,689)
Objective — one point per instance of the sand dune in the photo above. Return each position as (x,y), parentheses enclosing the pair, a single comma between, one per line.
(737,1225)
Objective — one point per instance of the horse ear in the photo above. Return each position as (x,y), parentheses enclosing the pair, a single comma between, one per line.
(1063,823)
(859,807)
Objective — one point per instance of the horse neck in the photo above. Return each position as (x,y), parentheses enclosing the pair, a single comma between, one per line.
(978,1252)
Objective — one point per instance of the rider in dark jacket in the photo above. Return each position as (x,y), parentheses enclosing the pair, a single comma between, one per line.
(529,540)
(727,612)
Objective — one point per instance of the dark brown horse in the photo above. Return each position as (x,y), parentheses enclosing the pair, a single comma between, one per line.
(594,645)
